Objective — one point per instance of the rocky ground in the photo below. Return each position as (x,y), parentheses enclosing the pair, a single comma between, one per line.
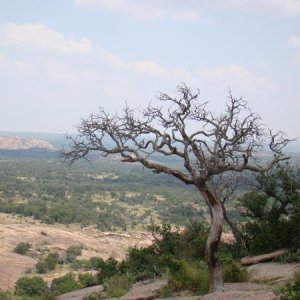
(57,238)
(264,280)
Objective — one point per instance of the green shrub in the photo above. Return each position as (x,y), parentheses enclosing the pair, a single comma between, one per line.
(52,260)
(22,248)
(93,296)
(108,269)
(48,264)
(117,285)
(272,213)
(166,292)
(41,267)
(72,252)
(65,284)
(292,290)
(191,277)
(87,279)
(96,263)
(5,296)
(232,270)
(30,286)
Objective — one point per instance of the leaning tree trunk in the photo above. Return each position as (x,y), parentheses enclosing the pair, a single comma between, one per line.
(212,244)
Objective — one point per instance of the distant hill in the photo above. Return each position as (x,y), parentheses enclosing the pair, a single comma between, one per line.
(19,143)
(56,139)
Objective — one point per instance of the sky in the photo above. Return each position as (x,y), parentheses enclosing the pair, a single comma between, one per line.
(62,59)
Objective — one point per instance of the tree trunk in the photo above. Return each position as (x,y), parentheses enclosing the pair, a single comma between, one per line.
(212,244)
(233,227)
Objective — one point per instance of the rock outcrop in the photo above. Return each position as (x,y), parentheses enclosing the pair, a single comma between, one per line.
(147,290)
(17,143)
(79,295)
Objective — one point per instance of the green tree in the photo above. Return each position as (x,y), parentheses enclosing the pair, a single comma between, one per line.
(273,211)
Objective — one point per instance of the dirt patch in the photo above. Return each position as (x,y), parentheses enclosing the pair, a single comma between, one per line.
(14,230)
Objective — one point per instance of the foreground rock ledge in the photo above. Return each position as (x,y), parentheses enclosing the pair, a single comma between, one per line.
(232,295)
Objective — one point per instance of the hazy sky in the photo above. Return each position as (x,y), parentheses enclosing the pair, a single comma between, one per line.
(61,59)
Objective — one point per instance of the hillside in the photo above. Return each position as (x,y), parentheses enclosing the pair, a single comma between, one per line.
(18,143)
(44,238)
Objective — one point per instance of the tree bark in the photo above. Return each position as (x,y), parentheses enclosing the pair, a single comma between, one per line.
(233,227)
(216,283)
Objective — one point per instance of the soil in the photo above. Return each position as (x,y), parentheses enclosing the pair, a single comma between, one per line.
(44,238)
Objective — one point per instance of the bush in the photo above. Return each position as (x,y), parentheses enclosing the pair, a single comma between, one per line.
(292,290)
(191,277)
(117,285)
(87,279)
(65,284)
(22,248)
(72,252)
(108,269)
(117,293)
(232,270)
(48,264)
(96,263)
(41,267)
(30,286)
(273,212)
(5,296)
(52,260)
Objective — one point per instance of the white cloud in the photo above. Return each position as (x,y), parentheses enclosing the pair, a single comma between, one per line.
(40,36)
(145,9)
(233,75)
(270,7)
(191,10)
(17,67)
(294,40)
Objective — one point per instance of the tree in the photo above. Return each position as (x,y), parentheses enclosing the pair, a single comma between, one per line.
(208,145)
(272,211)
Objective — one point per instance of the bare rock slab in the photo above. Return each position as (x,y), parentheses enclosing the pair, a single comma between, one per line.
(241,295)
(146,290)
(232,295)
(275,272)
(80,294)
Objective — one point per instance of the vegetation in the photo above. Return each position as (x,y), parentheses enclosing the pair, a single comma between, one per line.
(48,264)
(270,218)
(292,290)
(31,286)
(272,212)
(22,248)
(94,194)
(65,284)
(226,143)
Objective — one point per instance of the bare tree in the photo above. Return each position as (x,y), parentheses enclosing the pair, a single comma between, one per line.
(208,144)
